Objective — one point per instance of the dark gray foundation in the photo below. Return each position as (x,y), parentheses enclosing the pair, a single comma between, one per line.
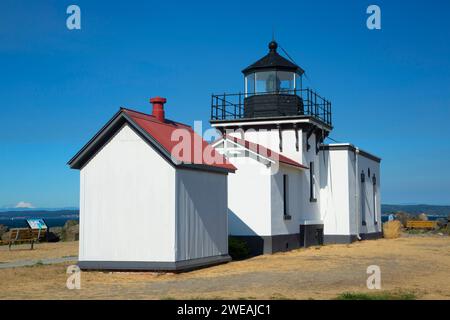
(178,266)
(310,235)
(339,239)
(345,239)
(270,244)
(371,236)
(280,243)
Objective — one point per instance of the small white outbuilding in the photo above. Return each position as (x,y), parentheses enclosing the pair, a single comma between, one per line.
(144,206)
(350,189)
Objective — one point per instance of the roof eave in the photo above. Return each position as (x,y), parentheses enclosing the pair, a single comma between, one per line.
(104,134)
(296,166)
(78,156)
(85,154)
(268,158)
(249,70)
(202,167)
(273,61)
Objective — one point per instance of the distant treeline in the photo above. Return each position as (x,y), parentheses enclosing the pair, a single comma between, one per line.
(53,218)
(416,209)
(66,213)
(27,214)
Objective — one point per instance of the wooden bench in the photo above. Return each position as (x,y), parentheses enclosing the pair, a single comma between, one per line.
(26,235)
(417,224)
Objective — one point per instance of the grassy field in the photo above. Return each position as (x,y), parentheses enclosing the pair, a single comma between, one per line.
(412,267)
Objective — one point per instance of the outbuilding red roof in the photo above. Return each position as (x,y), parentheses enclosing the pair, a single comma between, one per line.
(176,141)
(265,152)
(180,141)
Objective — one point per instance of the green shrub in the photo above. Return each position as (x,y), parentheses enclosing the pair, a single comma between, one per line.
(446,230)
(377,296)
(238,249)
(415,231)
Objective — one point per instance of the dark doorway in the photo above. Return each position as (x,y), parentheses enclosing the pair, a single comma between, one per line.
(311,235)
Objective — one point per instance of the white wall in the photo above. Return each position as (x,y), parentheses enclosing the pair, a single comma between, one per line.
(127,203)
(249,176)
(341,204)
(201,223)
(353,190)
(311,209)
(295,198)
(249,198)
(372,213)
(270,139)
(335,192)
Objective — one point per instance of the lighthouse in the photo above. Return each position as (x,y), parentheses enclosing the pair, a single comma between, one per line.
(276,108)
(274,132)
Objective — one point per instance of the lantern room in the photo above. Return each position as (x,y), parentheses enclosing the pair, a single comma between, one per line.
(273,88)
(272,74)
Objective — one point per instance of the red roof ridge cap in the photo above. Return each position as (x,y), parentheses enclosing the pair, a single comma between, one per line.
(149,117)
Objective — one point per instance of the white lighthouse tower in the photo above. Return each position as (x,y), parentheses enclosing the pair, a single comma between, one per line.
(273,133)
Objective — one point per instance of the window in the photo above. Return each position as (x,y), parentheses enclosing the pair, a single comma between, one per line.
(250,84)
(271,82)
(297,82)
(374,182)
(286,196)
(312,183)
(266,82)
(363,198)
(285,81)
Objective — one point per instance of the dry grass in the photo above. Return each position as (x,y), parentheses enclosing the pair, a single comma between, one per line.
(41,251)
(392,229)
(417,265)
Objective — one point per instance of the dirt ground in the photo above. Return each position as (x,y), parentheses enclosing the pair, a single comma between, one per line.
(414,264)
(41,251)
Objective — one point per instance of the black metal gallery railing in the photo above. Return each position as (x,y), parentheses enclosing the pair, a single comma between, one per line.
(231,106)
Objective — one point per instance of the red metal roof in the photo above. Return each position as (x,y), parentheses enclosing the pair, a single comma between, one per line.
(265,152)
(170,135)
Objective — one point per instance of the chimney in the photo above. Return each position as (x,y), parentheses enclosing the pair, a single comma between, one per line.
(158,107)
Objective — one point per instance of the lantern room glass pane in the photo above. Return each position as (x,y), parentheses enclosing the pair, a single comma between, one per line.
(250,84)
(285,81)
(266,82)
(270,82)
(298,81)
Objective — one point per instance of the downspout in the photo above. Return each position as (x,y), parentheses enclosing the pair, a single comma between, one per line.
(357,213)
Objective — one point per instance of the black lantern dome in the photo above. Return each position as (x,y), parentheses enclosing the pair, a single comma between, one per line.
(271,86)
(273,61)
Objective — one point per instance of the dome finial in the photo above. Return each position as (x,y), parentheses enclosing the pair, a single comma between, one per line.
(273,45)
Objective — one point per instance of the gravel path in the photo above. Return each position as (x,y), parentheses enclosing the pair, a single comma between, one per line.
(29,263)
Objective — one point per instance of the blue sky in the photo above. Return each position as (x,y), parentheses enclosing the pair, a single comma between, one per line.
(390,89)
